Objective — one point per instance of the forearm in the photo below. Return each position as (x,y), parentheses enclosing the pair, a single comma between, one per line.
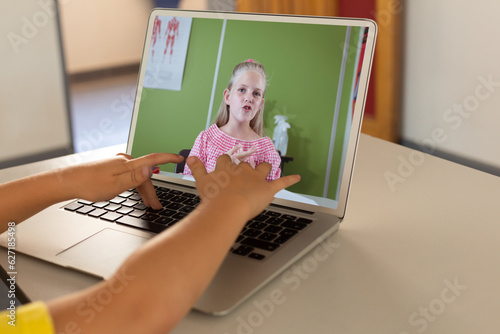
(189,256)
(162,280)
(25,197)
(94,181)
(166,276)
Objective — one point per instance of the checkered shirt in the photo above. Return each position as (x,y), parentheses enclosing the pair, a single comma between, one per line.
(212,143)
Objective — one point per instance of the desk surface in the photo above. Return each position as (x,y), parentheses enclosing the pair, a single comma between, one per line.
(418,252)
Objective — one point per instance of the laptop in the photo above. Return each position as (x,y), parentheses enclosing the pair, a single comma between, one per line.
(318,70)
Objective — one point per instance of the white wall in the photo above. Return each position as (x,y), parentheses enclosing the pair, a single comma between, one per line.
(101,34)
(34,117)
(452,51)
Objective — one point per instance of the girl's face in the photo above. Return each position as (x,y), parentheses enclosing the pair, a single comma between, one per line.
(246,97)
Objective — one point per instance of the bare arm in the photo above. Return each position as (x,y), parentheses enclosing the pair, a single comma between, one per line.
(167,275)
(94,181)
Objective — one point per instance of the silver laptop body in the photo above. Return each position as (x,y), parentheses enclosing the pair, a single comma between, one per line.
(318,71)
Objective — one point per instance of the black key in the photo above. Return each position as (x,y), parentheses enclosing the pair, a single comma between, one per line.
(289,217)
(240,237)
(178,199)
(150,216)
(164,202)
(140,206)
(97,213)
(174,206)
(189,195)
(165,196)
(243,250)
(173,222)
(273,229)
(288,231)
(267,236)
(100,205)
(137,213)
(261,218)
(163,220)
(141,223)
(112,207)
(176,192)
(283,238)
(186,209)
(73,206)
(258,225)
(259,244)
(167,212)
(251,232)
(275,221)
(285,235)
(304,220)
(294,225)
(85,209)
(179,215)
(256,256)
(111,216)
(192,201)
(273,214)
(151,210)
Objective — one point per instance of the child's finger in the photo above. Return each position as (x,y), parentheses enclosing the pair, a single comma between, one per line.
(139,178)
(223,161)
(148,195)
(197,167)
(234,149)
(264,169)
(154,159)
(284,182)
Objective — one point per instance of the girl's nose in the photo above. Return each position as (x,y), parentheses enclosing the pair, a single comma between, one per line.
(248,98)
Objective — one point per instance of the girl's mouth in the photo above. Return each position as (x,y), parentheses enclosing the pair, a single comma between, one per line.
(247,108)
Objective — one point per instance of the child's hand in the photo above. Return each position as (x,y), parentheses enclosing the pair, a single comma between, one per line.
(238,155)
(239,185)
(103,180)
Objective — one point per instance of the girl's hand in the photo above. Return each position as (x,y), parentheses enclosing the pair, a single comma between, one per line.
(238,155)
(239,185)
(103,180)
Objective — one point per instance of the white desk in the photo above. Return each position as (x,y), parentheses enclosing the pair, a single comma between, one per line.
(424,258)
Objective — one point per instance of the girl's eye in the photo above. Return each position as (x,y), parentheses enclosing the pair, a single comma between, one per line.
(241,90)
(257,94)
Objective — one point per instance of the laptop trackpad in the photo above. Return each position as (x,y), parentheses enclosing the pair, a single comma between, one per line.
(102,253)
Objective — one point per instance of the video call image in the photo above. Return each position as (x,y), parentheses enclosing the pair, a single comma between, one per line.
(215,86)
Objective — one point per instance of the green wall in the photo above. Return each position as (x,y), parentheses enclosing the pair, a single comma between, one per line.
(179,116)
(302,64)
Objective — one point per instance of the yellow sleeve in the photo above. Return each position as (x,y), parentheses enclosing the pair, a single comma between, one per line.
(29,318)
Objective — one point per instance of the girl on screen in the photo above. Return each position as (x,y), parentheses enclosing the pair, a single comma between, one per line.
(239,125)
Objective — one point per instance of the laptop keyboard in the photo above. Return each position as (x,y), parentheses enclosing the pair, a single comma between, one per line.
(260,237)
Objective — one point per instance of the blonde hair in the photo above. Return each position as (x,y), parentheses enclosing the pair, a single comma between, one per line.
(257,123)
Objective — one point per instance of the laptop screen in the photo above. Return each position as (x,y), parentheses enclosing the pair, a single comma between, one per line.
(317,73)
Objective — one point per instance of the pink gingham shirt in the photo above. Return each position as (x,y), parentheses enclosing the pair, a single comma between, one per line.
(212,143)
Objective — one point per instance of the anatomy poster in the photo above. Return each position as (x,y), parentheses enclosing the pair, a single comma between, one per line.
(167,52)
